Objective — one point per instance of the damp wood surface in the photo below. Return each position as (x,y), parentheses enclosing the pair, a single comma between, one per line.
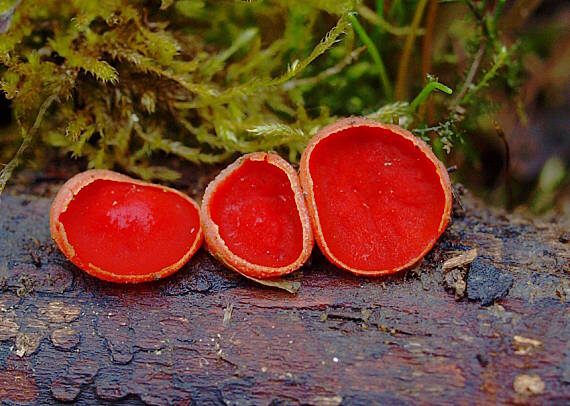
(490,328)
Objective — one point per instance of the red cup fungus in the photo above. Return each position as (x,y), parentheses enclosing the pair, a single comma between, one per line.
(255,219)
(124,230)
(378,197)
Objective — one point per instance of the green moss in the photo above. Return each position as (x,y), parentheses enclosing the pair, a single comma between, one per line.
(133,78)
(116,82)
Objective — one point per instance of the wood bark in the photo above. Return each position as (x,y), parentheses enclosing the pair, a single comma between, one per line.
(492,334)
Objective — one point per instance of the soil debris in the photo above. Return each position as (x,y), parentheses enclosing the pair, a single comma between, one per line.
(524,345)
(26,288)
(326,400)
(486,283)
(460,260)
(228,314)
(455,272)
(529,385)
(454,281)
(287,283)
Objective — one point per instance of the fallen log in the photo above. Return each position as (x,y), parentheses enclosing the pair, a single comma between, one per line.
(489,327)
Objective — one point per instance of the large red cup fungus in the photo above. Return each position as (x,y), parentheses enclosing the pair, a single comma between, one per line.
(255,219)
(377,195)
(123,230)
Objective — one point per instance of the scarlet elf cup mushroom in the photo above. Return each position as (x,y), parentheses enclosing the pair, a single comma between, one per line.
(255,219)
(124,230)
(378,197)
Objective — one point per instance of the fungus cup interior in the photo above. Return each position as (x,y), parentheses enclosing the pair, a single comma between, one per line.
(379,198)
(256,214)
(129,229)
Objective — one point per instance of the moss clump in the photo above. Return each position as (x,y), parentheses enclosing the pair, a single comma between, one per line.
(118,82)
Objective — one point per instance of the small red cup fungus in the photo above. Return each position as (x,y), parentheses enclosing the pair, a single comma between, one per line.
(378,197)
(124,230)
(255,219)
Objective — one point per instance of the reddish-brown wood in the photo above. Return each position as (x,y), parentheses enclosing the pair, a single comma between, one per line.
(206,335)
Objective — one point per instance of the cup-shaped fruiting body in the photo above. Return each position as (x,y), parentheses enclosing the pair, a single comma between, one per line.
(378,197)
(124,230)
(255,219)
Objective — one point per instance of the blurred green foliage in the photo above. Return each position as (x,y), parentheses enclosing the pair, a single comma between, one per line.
(119,82)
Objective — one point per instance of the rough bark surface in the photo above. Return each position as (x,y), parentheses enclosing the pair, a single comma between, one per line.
(495,333)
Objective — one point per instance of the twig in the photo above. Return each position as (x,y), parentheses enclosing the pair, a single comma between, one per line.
(470,76)
(504,53)
(228,314)
(407,53)
(460,260)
